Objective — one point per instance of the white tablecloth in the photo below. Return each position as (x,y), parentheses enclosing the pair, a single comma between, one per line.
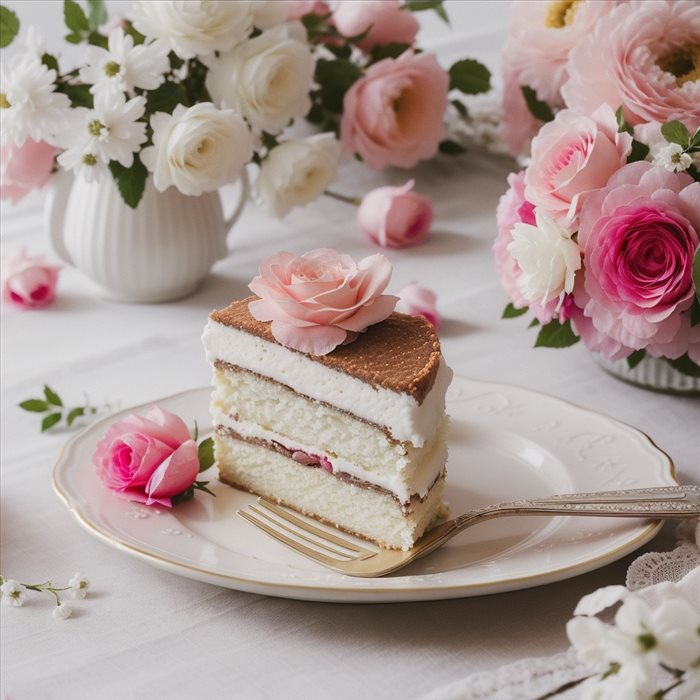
(144,633)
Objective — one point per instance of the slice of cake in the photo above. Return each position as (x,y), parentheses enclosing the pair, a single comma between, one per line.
(355,437)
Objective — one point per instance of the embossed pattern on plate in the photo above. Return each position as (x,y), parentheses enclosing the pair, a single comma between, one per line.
(505,443)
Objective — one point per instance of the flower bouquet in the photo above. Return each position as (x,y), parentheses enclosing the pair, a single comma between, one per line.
(598,236)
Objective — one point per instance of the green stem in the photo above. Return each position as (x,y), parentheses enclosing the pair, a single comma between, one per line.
(562,688)
(356,201)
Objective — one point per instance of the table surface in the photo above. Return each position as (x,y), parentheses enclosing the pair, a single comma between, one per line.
(143,632)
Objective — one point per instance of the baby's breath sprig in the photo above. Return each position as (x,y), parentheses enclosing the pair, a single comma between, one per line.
(55,410)
(13,593)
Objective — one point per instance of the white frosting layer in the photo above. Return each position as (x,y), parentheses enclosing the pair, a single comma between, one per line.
(406,419)
(420,484)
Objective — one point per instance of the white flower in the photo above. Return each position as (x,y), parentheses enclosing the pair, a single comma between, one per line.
(62,611)
(547,257)
(197,149)
(600,599)
(671,156)
(197,27)
(266,79)
(598,644)
(110,131)
(12,593)
(269,13)
(34,42)
(123,66)
(296,172)
(29,105)
(632,681)
(79,585)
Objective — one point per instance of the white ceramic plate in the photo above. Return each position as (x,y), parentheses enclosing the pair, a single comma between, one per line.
(505,443)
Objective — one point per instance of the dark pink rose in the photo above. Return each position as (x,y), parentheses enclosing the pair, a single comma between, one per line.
(24,168)
(27,281)
(320,299)
(148,459)
(639,234)
(394,114)
(395,217)
(415,300)
(386,20)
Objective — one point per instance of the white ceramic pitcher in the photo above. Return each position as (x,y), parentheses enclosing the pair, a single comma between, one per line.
(158,252)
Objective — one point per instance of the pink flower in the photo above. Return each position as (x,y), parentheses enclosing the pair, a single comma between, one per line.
(571,157)
(24,168)
(321,299)
(642,56)
(419,301)
(148,459)
(386,20)
(639,234)
(27,281)
(395,217)
(394,114)
(518,125)
(298,8)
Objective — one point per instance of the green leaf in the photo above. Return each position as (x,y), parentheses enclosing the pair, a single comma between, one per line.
(182,497)
(97,39)
(79,95)
(74,38)
(205,452)
(335,78)
(130,181)
(52,396)
(461,108)
(685,365)
(695,141)
(9,26)
(470,77)
(639,151)
(451,148)
(540,110)
(166,97)
(202,486)
(676,132)
(695,313)
(511,312)
(50,62)
(622,125)
(534,323)
(75,18)
(35,405)
(50,421)
(556,335)
(135,34)
(98,14)
(73,414)
(635,358)
(696,273)
(392,50)
(420,5)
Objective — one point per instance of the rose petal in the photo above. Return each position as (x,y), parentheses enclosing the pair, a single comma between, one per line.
(176,474)
(315,340)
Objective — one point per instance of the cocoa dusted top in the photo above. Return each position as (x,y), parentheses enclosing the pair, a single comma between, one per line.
(401,353)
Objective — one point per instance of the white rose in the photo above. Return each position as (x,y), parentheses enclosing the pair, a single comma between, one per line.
(197,27)
(266,79)
(197,149)
(269,13)
(296,172)
(547,257)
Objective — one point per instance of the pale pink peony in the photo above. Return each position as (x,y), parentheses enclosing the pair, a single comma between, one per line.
(571,157)
(321,299)
(27,281)
(395,217)
(643,56)
(394,114)
(148,459)
(386,20)
(24,168)
(639,234)
(298,8)
(415,300)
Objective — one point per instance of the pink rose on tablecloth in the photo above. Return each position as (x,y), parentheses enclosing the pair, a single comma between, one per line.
(571,157)
(27,281)
(393,115)
(321,299)
(642,56)
(395,217)
(148,459)
(639,235)
(24,168)
(386,20)
(419,301)
(298,8)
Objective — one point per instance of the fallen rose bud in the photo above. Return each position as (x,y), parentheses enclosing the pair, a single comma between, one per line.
(27,281)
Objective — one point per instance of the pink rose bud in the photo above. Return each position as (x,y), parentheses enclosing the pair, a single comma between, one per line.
(419,301)
(27,281)
(24,168)
(386,21)
(395,217)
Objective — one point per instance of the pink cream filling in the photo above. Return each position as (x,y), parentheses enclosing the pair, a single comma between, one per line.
(311,460)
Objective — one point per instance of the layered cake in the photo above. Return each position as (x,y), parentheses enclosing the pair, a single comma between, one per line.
(355,437)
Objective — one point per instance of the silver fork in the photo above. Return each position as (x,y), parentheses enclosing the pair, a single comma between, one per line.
(347,557)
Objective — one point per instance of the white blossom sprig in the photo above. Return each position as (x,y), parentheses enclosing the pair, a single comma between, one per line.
(13,593)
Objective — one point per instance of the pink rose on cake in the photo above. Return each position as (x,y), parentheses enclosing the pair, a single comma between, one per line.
(321,299)
(385,21)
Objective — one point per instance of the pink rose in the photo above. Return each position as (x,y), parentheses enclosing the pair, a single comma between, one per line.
(27,281)
(298,8)
(386,20)
(639,234)
(321,299)
(148,459)
(394,114)
(642,56)
(24,168)
(518,125)
(395,217)
(419,301)
(571,157)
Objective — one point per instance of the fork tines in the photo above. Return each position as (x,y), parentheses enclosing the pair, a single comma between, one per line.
(276,521)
